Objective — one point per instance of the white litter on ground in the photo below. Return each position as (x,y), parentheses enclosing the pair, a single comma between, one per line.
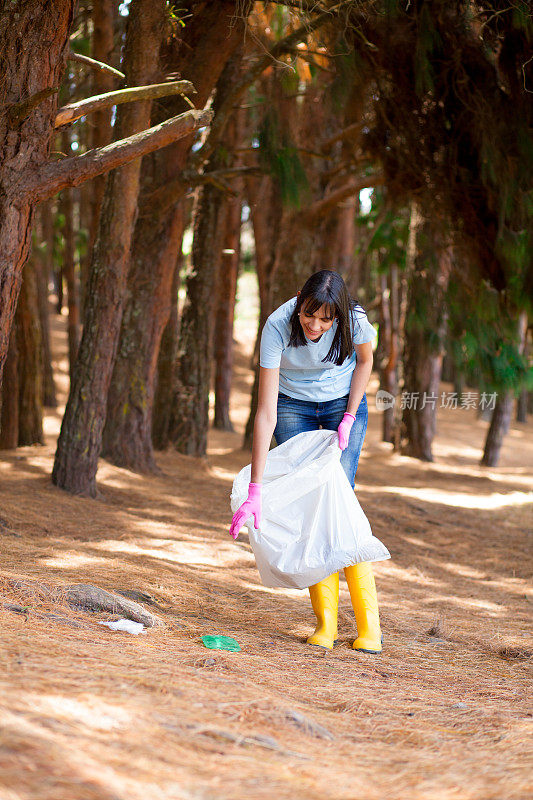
(126,625)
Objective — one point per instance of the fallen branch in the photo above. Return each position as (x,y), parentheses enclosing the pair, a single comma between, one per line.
(91,598)
(81,595)
(94,64)
(74,111)
(52,177)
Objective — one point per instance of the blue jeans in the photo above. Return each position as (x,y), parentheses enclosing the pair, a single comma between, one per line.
(296,416)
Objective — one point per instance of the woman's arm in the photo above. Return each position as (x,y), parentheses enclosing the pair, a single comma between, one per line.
(265,420)
(361,376)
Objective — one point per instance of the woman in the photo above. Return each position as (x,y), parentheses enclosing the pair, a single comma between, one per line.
(315,364)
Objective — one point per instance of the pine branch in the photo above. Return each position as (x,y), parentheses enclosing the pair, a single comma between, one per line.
(19,111)
(159,200)
(346,133)
(226,109)
(94,64)
(340,194)
(53,177)
(74,111)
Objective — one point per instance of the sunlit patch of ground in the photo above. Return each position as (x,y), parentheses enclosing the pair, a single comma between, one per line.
(443,714)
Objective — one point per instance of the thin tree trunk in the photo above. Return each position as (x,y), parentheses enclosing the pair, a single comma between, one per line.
(521,405)
(30,373)
(164,391)
(69,268)
(9,398)
(266,213)
(80,439)
(101,50)
(191,401)
(37,34)
(423,347)
(389,335)
(43,268)
(227,286)
(499,425)
(225,313)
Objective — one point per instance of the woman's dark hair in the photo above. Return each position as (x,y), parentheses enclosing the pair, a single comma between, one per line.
(327,288)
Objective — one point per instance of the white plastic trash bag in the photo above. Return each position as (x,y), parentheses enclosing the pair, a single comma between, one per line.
(311,523)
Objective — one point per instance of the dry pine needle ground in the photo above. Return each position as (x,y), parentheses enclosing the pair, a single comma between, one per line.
(445,712)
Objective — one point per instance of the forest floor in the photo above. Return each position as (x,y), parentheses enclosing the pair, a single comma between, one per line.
(443,713)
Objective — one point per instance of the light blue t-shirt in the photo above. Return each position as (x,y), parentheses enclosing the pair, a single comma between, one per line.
(302,373)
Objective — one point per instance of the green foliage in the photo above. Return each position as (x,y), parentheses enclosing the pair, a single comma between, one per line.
(389,233)
(280,157)
(483,340)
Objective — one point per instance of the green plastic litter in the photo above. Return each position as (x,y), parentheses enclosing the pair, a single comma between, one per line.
(221,643)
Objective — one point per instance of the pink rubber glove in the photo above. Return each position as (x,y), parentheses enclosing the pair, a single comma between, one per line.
(250,507)
(344,430)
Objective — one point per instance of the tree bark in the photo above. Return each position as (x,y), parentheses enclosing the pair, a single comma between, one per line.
(80,439)
(127,438)
(389,335)
(210,39)
(37,34)
(191,400)
(55,176)
(521,404)
(30,372)
(225,313)
(9,398)
(424,338)
(166,361)
(227,286)
(102,49)
(499,426)
(44,267)
(69,269)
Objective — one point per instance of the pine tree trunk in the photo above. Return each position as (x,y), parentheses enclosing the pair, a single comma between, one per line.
(9,398)
(499,426)
(30,372)
(389,336)
(191,401)
(266,213)
(190,416)
(69,269)
(44,268)
(102,49)
(209,38)
(225,313)
(80,439)
(127,439)
(424,337)
(227,288)
(37,34)
(166,362)
(521,405)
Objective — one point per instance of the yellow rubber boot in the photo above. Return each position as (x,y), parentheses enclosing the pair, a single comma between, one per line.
(325,602)
(362,588)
